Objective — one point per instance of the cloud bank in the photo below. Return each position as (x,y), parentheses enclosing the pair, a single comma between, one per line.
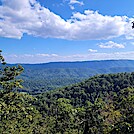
(18,17)
(44,58)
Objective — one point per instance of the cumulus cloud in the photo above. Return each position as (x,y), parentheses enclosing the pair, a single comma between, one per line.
(44,58)
(92,50)
(28,16)
(73,2)
(111,44)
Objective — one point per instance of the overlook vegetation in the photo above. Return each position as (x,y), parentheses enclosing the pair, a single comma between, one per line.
(39,78)
(103,104)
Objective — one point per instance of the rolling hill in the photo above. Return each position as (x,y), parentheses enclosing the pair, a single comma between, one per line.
(47,76)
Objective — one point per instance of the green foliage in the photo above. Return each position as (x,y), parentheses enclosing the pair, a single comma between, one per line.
(103,104)
(8,76)
(126,105)
(39,78)
(18,115)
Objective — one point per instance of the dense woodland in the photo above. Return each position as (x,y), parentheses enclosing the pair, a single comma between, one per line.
(48,76)
(102,104)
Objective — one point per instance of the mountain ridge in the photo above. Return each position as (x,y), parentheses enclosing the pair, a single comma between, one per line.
(48,76)
(71,62)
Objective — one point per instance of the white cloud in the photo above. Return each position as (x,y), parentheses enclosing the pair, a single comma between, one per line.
(111,44)
(43,58)
(92,50)
(43,55)
(47,55)
(28,16)
(76,2)
(72,3)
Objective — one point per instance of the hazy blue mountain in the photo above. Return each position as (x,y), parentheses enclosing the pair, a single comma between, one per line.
(84,64)
(47,76)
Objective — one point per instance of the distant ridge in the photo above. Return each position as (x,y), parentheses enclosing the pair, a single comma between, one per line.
(48,76)
(112,60)
(97,64)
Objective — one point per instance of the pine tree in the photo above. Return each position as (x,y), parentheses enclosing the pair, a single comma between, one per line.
(8,74)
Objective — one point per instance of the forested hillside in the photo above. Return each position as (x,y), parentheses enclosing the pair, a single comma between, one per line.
(41,77)
(103,104)
(94,87)
(67,67)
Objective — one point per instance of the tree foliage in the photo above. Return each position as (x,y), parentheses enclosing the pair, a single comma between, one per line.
(8,75)
(103,104)
(17,114)
(40,78)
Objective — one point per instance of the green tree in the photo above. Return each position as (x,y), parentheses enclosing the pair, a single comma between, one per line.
(126,106)
(8,74)
(18,115)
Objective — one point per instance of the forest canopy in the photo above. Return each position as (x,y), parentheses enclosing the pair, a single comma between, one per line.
(101,104)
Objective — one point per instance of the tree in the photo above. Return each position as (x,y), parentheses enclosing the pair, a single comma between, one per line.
(17,112)
(126,105)
(8,74)
(18,115)
(62,117)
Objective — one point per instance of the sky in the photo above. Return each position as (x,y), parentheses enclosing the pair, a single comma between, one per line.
(40,31)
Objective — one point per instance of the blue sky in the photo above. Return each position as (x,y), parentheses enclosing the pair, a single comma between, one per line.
(39,31)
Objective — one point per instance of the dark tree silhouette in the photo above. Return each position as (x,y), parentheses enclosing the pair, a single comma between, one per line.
(133,25)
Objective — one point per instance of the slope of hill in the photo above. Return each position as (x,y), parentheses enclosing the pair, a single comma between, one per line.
(93,87)
(41,77)
(102,104)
